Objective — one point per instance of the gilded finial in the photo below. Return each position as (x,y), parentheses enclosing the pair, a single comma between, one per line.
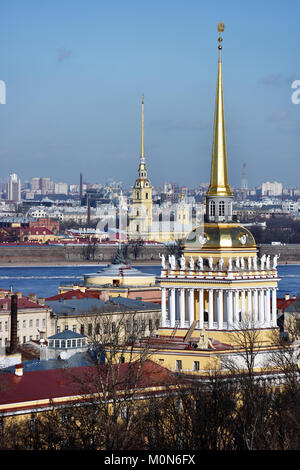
(221,28)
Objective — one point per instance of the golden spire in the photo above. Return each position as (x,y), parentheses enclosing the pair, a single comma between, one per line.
(142,132)
(219,185)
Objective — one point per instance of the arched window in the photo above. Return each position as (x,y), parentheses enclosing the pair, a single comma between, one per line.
(137,195)
(221,208)
(212,208)
(146,195)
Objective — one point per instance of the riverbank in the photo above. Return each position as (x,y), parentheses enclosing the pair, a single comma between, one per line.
(101,255)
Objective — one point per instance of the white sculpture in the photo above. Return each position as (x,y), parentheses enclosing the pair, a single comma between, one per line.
(210,262)
(268,262)
(192,263)
(262,262)
(230,264)
(221,264)
(249,262)
(182,262)
(163,261)
(242,263)
(275,261)
(237,262)
(255,263)
(172,261)
(200,263)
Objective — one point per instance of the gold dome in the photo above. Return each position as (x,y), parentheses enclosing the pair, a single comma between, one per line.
(219,235)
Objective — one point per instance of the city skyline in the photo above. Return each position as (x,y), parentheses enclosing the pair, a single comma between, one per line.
(75,76)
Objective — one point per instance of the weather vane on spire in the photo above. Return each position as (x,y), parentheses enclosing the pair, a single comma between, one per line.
(221,28)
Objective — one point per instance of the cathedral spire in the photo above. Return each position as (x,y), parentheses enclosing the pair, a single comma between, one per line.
(219,185)
(142,133)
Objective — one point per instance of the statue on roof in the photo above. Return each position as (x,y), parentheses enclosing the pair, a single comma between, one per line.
(120,257)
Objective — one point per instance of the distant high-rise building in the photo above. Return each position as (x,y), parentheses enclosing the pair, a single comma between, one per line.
(244,177)
(271,189)
(14,188)
(61,188)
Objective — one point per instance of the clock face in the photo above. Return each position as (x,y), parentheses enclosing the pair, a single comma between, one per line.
(202,239)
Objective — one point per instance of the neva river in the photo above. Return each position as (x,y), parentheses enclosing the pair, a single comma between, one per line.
(45,280)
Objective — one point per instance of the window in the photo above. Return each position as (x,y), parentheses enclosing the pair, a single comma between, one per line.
(6,326)
(135,325)
(178,364)
(113,327)
(82,329)
(90,329)
(146,195)
(150,325)
(196,365)
(24,323)
(143,325)
(212,208)
(30,323)
(0,325)
(74,328)
(221,208)
(66,327)
(37,323)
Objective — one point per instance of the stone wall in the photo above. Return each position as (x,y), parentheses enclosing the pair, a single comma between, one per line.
(103,253)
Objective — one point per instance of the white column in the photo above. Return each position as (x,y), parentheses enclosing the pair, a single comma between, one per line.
(191,306)
(201,308)
(236,308)
(229,308)
(172,307)
(163,307)
(249,307)
(255,307)
(182,307)
(220,308)
(243,307)
(210,309)
(274,307)
(261,311)
(268,308)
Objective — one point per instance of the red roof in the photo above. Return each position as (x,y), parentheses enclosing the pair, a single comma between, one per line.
(76,294)
(23,303)
(283,303)
(69,383)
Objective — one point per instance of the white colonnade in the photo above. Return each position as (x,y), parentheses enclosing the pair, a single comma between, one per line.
(218,308)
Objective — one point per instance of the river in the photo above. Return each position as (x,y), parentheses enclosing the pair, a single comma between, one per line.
(45,280)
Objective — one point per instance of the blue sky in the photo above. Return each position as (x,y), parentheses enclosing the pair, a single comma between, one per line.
(75,72)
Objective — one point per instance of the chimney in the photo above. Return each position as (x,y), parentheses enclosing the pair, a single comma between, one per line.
(32,297)
(14,324)
(287,296)
(19,370)
(41,301)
